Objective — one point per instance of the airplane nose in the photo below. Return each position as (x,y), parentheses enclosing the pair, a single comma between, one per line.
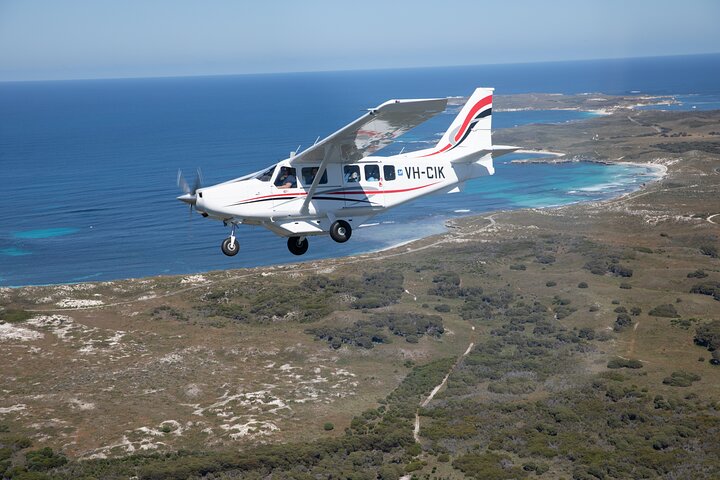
(188,198)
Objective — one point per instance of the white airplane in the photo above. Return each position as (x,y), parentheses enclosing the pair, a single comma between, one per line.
(338,184)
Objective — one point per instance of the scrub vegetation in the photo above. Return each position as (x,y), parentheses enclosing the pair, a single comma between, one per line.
(541,362)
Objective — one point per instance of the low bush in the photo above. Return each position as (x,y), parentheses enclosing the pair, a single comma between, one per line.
(681,379)
(708,336)
(14,315)
(667,310)
(582,285)
(624,363)
(707,288)
(623,322)
(697,274)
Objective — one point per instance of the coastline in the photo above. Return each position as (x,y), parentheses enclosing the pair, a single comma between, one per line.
(412,245)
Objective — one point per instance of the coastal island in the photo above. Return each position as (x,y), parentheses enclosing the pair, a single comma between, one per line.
(574,342)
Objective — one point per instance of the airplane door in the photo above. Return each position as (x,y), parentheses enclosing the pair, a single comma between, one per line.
(352,187)
(371,182)
(328,195)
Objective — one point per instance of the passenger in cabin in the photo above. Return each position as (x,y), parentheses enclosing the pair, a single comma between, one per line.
(372,173)
(351,173)
(311,177)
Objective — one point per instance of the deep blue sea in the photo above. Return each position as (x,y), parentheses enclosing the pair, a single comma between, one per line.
(88,168)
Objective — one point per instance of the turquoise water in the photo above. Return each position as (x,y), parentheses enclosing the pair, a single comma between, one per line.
(89,167)
(45,233)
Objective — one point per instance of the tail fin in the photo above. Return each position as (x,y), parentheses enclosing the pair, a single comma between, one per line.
(470,131)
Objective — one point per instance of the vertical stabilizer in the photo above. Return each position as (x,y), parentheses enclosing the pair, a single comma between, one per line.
(470,131)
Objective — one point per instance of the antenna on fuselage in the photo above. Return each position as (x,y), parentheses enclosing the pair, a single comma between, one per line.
(316,140)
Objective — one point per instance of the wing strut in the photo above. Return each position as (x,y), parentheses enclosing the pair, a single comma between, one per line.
(304,209)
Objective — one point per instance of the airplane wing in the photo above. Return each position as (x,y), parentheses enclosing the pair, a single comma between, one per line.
(371,132)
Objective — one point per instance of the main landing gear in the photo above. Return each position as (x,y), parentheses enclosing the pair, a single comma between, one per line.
(230,245)
(340,231)
(298,245)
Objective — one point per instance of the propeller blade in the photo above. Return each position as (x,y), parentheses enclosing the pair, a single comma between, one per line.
(182,183)
(198,181)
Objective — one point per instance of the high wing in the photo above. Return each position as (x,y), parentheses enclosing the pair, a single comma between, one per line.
(371,132)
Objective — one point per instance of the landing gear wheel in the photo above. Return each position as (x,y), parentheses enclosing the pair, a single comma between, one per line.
(340,231)
(298,246)
(230,246)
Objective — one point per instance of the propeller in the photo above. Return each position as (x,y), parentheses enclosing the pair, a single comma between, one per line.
(189,196)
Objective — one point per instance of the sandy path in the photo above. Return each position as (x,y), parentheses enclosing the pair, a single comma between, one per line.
(424,403)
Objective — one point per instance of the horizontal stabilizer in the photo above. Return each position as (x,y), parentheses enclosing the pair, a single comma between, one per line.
(494,150)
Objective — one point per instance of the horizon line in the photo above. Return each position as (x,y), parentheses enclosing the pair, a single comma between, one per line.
(340,70)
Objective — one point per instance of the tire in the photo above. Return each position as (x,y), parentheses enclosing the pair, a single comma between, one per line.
(298,247)
(340,231)
(228,249)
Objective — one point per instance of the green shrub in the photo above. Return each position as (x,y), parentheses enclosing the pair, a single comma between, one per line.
(666,310)
(620,271)
(487,465)
(518,266)
(622,322)
(625,286)
(624,363)
(708,335)
(697,274)
(582,285)
(14,315)
(327,426)
(413,466)
(707,288)
(44,459)
(545,259)
(681,379)
(550,283)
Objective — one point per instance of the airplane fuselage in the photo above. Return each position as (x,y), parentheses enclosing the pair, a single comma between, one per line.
(353,191)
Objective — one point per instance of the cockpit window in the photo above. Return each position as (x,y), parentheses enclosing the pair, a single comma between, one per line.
(266,176)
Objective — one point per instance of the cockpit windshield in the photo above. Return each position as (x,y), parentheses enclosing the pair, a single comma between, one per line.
(266,175)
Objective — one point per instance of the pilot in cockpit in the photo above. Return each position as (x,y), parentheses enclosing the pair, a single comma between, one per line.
(286,178)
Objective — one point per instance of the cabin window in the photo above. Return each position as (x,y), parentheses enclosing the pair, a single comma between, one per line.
(389,172)
(308,175)
(266,175)
(286,178)
(372,173)
(351,173)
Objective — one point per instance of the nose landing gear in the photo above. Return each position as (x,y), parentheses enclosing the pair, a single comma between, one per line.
(230,246)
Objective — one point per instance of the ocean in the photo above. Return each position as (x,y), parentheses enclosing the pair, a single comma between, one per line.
(89,167)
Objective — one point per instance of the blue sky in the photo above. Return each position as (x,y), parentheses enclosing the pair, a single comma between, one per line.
(51,39)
